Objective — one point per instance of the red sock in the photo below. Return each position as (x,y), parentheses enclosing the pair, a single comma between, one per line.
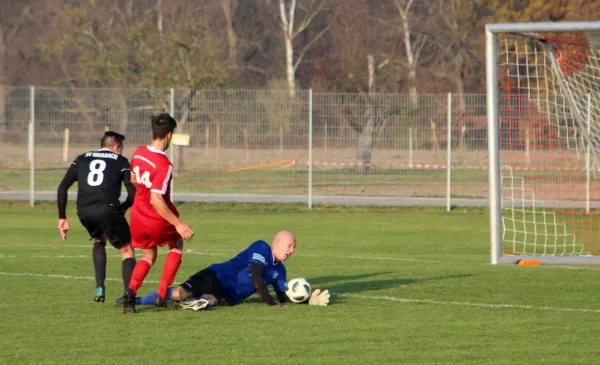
(139,274)
(169,271)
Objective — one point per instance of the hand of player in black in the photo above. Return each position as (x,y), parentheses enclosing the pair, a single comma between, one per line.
(63,227)
(184,231)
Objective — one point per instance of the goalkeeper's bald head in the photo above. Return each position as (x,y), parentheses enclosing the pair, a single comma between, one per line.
(283,245)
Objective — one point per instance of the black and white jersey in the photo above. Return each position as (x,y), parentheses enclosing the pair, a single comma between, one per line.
(99,175)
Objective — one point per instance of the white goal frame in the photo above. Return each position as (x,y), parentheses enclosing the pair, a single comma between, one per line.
(494,174)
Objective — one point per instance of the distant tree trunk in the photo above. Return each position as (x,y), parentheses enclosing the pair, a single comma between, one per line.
(287,13)
(289,67)
(130,9)
(287,23)
(413,94)
(159,17)
(231,36)
(460,83)
(3,121)
(412,49)
(365,145)
(365,140)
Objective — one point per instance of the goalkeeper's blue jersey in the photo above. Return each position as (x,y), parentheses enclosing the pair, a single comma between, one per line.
(235,273)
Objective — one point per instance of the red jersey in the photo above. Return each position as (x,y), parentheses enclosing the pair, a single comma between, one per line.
(153,174)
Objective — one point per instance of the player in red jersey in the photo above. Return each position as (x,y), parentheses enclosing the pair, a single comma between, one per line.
(154,219)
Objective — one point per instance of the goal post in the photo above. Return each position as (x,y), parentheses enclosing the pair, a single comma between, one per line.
(543,110)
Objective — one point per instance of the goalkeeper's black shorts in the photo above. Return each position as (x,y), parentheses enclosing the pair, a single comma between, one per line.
(206,282)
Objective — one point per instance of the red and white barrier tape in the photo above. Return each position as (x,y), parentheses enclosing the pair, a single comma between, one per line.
(400,165)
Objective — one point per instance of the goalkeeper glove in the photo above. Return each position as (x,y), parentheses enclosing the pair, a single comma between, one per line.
(319,297)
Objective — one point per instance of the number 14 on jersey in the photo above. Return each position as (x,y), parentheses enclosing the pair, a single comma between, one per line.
(144,179)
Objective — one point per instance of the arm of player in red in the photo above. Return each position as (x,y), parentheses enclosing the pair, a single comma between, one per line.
(161,207)
(159,185)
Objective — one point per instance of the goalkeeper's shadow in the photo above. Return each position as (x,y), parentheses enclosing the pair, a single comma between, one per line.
(353,284)
(321,280)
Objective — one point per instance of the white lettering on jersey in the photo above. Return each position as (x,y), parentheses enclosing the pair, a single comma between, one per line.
(145,160)
(259,257)
(114,156)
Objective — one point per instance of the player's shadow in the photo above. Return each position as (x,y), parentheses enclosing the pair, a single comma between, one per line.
(346,286)
(339,285)
(314,282)
(323,282)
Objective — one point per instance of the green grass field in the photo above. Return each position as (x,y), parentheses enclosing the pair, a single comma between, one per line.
(411,286)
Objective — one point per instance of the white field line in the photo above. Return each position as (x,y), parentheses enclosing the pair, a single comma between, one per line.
(33,303)
(69,277)
(370,297)
(573,267)
(467,304)
(193,252)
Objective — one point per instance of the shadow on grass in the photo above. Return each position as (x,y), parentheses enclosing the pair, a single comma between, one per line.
(353,287)
(352,284)
(314,282)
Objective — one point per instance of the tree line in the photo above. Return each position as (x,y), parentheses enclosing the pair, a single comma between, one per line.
(411,46)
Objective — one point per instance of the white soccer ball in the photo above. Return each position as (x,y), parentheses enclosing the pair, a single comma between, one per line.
(298,290)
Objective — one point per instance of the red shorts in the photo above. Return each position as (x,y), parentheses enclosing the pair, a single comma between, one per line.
(148,236)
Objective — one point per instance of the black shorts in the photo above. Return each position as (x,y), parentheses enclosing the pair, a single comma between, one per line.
(206,282)
(106,222)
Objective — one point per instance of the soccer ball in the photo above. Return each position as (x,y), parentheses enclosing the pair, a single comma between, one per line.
(298,290)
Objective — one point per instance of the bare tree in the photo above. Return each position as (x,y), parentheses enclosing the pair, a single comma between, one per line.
(129,9)
(372,118)
(229,7)
(287,14)
(459,40)
(3,121)
(159,17)
(413,45)
(13,15)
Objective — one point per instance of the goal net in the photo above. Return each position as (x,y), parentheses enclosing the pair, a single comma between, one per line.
(544,88)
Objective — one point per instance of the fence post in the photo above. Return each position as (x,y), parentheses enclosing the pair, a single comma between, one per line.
(588,163)
(410,147)
(31,146)
(66,145)
(218,140)
(326,131)
(449,163)
(172,148)
(207,140)
(310,144)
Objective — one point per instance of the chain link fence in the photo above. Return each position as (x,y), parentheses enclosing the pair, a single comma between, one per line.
(248,144)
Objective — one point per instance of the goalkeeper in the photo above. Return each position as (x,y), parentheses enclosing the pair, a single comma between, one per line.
(249,272)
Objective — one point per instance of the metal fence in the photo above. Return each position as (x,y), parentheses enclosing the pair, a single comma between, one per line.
(253,145)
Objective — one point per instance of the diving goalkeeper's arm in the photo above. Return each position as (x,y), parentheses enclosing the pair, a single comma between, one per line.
(258,281)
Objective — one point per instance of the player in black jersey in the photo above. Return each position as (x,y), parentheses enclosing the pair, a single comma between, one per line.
(99,175)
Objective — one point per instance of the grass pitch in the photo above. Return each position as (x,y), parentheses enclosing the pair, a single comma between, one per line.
(411,286)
